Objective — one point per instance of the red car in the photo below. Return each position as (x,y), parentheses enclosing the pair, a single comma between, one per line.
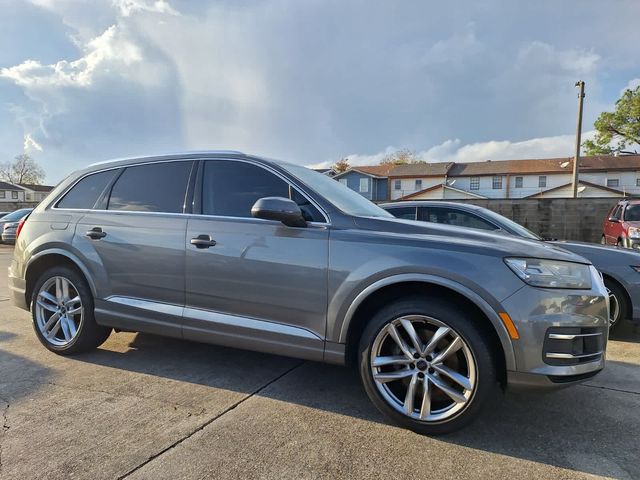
(622,225)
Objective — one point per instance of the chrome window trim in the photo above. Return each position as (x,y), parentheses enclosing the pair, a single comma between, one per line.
(252,162)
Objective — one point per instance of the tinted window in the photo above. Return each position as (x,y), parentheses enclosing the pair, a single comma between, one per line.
(458,218)
(616,212)
(632,213)
(85,193)
(407,213)
(156,187)
(231,188)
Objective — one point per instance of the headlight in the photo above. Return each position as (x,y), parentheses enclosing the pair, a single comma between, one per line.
(634,232)
(551,273)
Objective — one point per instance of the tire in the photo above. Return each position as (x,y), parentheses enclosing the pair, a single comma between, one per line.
(473,361)
(619,306)
(77,330)
(620,243)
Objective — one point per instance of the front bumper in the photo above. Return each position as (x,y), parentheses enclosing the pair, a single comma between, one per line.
(563,334)
(17,289)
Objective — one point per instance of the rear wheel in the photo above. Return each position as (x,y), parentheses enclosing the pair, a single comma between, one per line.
(426,365)
(62,311)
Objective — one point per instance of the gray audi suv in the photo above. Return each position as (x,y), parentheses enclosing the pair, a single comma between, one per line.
(245,252)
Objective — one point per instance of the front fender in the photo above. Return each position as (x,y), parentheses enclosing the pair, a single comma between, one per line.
(488,306)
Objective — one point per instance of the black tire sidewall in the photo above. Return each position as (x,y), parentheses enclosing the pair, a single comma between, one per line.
(89,335)
(622,302)
(460,321)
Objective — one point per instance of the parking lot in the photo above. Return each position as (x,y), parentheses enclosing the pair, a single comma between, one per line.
(147,407)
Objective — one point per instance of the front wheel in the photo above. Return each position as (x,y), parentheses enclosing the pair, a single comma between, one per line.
(618,305)
(62,311)
(426,365)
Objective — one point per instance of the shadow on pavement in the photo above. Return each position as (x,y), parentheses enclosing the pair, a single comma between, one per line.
(19,376)
(580,428)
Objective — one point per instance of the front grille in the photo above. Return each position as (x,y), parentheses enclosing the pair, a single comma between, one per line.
(573,345)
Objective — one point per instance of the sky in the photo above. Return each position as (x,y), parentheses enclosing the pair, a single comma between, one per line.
(308,81)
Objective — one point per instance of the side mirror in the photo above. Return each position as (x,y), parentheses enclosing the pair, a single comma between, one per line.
(614,220)
(280,209)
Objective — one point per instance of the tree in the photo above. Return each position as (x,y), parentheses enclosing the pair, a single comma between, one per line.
(23,169)
(401,157)
(617,131)
(341,165)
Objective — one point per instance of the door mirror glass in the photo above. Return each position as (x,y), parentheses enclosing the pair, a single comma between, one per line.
(280,209)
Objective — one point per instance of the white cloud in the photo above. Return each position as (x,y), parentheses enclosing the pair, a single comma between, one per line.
(127,7)
(110,47)
(632,85)
(455,151)
(30,144)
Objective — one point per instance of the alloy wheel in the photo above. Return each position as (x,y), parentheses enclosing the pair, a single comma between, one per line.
(59,311)
(423,368)
(614,308)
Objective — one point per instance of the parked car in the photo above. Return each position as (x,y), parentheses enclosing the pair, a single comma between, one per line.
(12,218)
(620,268)
(621,226)
(240,251)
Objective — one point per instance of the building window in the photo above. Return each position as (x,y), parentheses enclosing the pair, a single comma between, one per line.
(397,184)
(542,181)
(364,185)
(474,183)
(3,194)
(343,181)
(637,182)
(419,184)
(497,182)
(613,182)
(518,182)
(14,195)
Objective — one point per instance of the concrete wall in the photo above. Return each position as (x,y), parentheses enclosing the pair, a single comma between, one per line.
(11,206)
(561,218)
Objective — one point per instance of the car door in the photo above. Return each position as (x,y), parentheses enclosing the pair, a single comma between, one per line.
(255,283)
(134,247)
(613,226)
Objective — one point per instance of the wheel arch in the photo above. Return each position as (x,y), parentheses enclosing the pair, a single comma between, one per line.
(46,259)
(393,287)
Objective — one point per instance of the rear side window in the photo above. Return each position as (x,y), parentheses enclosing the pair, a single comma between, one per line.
(156,187)
(450,216)
(85,193)
(407,213)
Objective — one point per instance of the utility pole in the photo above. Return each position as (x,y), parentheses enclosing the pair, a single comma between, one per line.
(576,158)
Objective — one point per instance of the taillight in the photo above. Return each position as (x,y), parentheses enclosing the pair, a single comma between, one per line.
(20,225)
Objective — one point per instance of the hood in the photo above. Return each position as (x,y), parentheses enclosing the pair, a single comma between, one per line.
(451,236)
(601,256)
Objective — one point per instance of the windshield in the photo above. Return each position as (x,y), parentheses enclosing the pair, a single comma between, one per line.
(507,224)
(17,215)
(632,213)
(340,196)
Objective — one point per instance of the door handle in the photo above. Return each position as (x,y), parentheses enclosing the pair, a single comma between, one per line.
(96,233)
(203,241)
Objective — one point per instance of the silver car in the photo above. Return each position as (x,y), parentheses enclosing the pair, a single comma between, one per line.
(236,250)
